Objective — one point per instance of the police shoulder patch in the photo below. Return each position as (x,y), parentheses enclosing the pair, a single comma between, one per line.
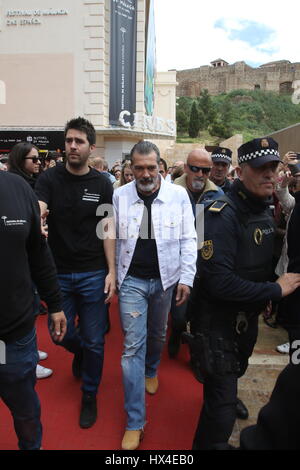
(207,250)
(217,206)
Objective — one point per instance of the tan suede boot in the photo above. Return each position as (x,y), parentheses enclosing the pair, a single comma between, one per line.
(132,439)
(151,385)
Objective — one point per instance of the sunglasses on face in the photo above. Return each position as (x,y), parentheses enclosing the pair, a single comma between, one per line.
(195,169)
(34,159)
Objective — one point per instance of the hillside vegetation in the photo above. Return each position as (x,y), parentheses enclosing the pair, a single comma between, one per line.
(251,113)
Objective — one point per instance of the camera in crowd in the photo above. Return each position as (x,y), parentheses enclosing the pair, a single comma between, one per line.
(295,168)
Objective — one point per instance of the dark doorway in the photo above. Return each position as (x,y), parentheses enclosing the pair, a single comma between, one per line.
(286,88)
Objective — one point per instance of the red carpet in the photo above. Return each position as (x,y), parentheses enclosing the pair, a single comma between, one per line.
(172,413)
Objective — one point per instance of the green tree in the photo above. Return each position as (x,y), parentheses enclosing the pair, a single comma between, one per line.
(253,113)
(182,122)
(202,121)
(194,124)
(227,112)
(207,107)
(184,103)
(222,124)
(220,129)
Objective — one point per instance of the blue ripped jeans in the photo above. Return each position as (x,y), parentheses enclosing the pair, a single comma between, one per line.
(144,308)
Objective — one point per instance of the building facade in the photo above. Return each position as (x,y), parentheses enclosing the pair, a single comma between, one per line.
(55,64)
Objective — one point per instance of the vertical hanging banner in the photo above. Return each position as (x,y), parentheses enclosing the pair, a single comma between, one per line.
(150,61)
(122,60)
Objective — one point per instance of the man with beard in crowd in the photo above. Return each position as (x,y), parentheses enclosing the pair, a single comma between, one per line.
(156,250)
(196,178)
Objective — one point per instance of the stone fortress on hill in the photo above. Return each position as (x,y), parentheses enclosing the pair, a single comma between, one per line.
(222,77)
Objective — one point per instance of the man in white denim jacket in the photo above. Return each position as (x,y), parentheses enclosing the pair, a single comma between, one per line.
(156,248)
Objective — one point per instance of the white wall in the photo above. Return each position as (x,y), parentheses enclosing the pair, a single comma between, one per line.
(114,150)
(2,92)
(54,63)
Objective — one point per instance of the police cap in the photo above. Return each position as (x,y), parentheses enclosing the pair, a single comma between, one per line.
(221,154)
(257,152)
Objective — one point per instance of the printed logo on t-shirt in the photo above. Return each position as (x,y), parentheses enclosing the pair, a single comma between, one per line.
(12,223)
(90,196)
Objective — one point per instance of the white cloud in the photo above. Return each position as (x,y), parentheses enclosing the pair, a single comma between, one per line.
(187,36)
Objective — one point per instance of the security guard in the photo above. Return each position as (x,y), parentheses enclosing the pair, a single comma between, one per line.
(221,158)
(231,287)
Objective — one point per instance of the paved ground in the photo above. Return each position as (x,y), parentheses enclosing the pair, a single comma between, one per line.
(257,384)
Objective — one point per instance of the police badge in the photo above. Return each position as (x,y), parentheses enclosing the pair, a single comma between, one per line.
(264,143)
(207,250)
(258,236)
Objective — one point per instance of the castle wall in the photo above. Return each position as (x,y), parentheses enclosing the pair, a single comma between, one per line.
(277,77)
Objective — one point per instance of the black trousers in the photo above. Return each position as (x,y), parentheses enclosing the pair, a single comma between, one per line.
(291,318)
(218,413)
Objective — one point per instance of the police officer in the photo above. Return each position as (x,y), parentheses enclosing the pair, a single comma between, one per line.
(221,158)
(231,287)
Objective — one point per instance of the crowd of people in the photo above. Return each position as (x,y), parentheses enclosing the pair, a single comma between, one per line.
(76,234)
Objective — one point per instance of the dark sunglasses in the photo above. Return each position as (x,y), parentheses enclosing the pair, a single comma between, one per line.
(34,159)
(195,169)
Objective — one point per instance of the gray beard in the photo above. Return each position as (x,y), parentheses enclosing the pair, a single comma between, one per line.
(146,188)
(198,185)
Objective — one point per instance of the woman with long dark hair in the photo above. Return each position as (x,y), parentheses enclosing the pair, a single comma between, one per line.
(24,160)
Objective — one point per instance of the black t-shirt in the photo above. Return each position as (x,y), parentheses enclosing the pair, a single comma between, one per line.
(144,262)
(25,256)
(196,196)
(72,222)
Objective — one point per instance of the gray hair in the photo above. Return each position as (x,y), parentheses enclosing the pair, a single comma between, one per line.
(144,147)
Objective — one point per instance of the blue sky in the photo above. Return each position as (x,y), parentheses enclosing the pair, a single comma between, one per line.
(250,32)
(191,33)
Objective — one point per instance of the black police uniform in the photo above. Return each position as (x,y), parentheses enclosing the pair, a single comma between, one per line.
(231,288)
(226,186)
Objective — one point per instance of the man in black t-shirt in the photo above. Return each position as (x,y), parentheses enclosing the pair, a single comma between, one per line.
(85,262)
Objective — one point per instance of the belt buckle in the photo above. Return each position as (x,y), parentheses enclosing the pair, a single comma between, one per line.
(241,325)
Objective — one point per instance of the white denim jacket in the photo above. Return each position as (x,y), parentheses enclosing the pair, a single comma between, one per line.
(174,231)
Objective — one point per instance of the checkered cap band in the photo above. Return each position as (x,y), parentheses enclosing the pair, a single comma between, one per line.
(259,153)
(221,155)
